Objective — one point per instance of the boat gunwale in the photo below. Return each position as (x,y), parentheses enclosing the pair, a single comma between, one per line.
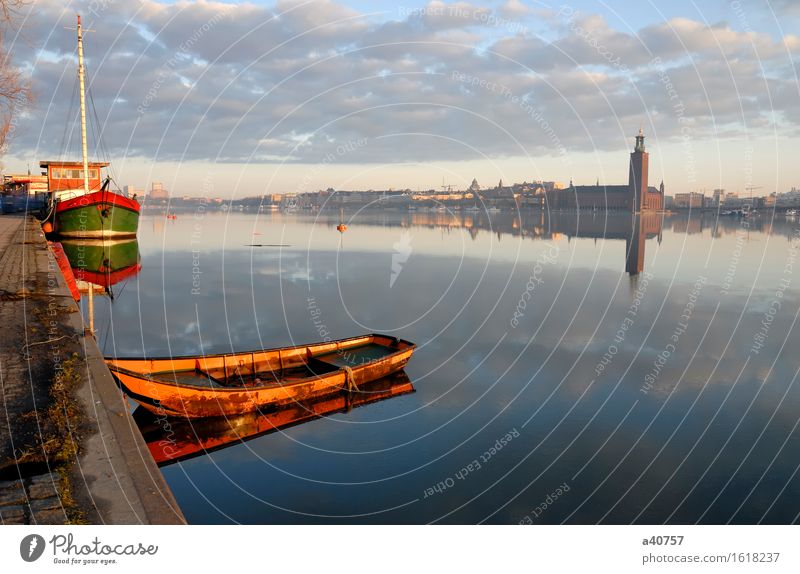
(148,376)
(98,196)
(271,350)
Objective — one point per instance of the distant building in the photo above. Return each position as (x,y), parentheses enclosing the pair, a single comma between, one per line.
(131,190)
(718,197)
(636,196)
(24,184)
(691,200)
(158,192)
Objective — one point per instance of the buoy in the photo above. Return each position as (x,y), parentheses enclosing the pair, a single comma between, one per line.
(341,228)
(47,227)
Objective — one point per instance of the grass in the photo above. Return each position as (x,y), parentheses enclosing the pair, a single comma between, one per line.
(67,421)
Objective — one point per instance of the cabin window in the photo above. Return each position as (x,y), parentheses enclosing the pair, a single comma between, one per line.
(62,173)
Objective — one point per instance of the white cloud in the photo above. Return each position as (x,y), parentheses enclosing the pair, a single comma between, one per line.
(211,80)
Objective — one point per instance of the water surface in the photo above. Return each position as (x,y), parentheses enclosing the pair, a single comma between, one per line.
(553,382)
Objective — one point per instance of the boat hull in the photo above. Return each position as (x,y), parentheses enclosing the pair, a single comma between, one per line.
(156,383)
(101,214)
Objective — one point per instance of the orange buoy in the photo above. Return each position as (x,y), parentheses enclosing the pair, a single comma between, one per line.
(341,228)
(47,227)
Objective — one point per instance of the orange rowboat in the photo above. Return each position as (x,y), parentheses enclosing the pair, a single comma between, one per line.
(236,383)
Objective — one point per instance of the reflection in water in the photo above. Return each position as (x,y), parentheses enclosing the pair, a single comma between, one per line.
(643,427)
(599,225)
(103,262)
(645,226)
(174,440)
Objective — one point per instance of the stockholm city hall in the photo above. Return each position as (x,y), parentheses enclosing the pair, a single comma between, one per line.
(635,196)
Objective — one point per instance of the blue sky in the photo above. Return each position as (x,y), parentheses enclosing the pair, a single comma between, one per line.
(270,97)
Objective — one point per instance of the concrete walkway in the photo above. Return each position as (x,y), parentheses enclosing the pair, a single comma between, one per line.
(69,449)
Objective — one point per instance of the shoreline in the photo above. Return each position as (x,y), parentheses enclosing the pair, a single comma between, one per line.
(71,452)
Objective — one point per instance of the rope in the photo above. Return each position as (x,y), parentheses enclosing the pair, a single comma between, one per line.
(349,379)
(101,149)
(64,142)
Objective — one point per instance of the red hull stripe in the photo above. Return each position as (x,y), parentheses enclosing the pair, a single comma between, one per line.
(98,197)
(107,279)
(66,270)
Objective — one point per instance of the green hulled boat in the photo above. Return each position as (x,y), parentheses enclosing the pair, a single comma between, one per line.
(103,263)
(82,210)
(100,214)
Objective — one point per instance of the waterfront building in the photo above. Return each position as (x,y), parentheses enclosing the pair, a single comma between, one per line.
(158,192)
(635,196)
(24,184)
(691,200)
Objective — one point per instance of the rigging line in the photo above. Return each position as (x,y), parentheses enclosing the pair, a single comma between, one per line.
(96,135)
(97,132)
(103,150)
(70,110)
(94,120)
(96,129)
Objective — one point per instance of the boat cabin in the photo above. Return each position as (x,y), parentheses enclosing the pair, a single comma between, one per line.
(64,175)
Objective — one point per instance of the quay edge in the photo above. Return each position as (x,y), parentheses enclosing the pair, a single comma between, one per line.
(114,479)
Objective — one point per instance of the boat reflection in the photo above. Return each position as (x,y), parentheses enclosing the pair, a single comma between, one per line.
(174,439)
(103,262)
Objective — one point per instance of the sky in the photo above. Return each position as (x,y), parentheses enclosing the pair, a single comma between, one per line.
(238,99)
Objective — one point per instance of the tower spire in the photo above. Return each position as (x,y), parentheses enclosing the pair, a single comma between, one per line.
(640,141)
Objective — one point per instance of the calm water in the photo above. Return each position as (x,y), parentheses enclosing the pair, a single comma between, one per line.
(550,385)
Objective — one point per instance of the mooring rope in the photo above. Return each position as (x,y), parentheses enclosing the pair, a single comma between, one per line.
(349,379)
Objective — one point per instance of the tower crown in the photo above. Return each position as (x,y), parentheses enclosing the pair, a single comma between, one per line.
(639,141)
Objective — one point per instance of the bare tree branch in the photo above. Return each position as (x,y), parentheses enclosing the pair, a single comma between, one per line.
(15,92)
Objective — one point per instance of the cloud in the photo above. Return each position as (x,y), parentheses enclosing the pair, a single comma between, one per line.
(295,80)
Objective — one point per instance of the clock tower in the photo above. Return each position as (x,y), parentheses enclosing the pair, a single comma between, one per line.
(637,177)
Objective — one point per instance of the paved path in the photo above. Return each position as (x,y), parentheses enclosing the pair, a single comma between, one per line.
(33,499)
(47,368)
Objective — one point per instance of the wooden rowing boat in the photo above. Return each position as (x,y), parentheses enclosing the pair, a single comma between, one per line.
(236,383)
(184,439)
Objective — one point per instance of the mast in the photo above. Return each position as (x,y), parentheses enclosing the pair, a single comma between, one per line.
(85,150)
(81,81)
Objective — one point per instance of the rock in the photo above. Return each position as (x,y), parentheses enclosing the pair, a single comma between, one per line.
(43,490)
(43,486)
(9,484)
(51,503)
(12,514)
(48,478)
(12,495)
(49,517)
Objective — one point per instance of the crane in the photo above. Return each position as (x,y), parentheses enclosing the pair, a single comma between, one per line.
(750,188)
